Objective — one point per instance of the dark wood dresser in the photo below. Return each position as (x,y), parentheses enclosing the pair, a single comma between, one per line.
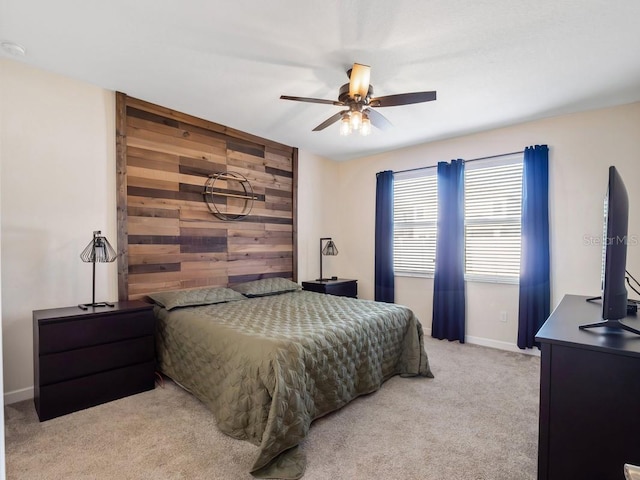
(85,358)
(340,286)
(589,395)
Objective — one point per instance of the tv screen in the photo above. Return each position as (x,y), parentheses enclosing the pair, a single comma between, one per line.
(614,262)
(614,292)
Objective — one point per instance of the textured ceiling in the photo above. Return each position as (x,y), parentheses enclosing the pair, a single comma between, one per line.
(492,62)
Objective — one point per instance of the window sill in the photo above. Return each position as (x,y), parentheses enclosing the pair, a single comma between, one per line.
(501,280)
(467,278)
(413,275)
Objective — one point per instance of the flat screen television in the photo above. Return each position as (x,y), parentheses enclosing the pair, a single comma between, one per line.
(614,251)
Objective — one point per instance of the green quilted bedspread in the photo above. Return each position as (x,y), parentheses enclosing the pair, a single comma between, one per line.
(267,367)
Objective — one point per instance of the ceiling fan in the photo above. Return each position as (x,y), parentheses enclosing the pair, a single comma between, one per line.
(357,97)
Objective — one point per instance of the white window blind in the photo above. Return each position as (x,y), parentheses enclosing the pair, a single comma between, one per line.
(415,210)
(493,198)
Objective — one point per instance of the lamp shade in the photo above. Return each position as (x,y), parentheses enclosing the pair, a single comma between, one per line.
(330,248)
(99,250)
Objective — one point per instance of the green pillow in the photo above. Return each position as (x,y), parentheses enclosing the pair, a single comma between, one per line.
(266,286)
(192,298)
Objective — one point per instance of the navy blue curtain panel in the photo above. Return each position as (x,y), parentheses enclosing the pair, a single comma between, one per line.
(384,280)
(535,290)
(448,285)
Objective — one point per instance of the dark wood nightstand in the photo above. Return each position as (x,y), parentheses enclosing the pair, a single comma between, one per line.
(84,358)
(341,287)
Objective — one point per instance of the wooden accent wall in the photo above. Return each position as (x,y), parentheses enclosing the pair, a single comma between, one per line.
(167,237)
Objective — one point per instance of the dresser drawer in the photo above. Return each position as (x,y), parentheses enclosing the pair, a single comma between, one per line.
(66,397)
(57,367)
(69,334)
(345,289)
(340,287)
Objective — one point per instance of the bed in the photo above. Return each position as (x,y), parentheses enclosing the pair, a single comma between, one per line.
(268,358)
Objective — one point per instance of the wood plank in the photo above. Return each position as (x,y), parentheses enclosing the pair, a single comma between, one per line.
(201,230)
(249,148)
(260,248)
(178,132)
(141,278)
(211,266)
(138,291)
(168,139)
(144,249)
(247,270)
(281,227)
(121,195)
(235,279)
(287,256)
(152,183)
(279,172)
(256,234)
(158,193)
(279,157)
(154,268)
(152,159)
(205,282)
(197,182)
(261,262)
(285,207)
(167,148)
(232,242)
(182,205)
(153,226)
(136,211)
(155,258)
(294,196)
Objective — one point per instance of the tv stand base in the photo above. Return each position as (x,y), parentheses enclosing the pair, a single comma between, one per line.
(615,324)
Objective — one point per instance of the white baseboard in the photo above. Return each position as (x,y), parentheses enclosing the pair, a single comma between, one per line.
(500,345)
(18,395)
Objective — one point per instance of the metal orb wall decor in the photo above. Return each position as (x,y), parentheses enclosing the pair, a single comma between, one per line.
(229,195)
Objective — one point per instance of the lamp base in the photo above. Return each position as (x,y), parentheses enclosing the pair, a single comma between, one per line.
(85,306)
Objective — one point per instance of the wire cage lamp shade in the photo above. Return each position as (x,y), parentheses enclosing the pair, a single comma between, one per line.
(99,250)
(329,249)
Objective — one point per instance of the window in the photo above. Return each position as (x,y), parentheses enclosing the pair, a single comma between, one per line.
(415,210)
(493,198)
(492,203)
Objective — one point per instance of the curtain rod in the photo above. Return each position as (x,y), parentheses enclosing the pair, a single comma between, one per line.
(471,160)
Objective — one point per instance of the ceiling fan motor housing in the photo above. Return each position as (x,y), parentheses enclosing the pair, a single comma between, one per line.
(343,95)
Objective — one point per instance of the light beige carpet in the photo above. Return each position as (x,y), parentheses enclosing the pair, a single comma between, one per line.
(477,420)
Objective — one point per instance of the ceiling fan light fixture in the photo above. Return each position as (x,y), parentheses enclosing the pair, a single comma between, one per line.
(365,129)
(356,120)
(345,125)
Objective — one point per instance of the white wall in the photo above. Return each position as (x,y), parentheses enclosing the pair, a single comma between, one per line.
(318,216)
(582,146)
(58,184)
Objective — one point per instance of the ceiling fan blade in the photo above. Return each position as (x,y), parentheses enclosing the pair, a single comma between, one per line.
(378,120)
(311,100)
(359,80)
(332,119)
(402,99)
